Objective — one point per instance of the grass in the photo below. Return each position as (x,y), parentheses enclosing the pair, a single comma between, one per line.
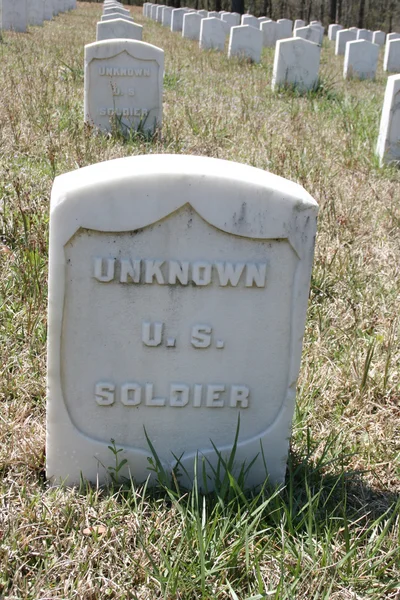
(333,530)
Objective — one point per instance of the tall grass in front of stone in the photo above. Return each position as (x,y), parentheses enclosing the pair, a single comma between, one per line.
(333,530)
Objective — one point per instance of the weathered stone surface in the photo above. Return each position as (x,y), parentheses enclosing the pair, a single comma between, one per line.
(244,42)
(191,26)
(310,33)
(123,85)
(250,20)
(35,12)
(379,38)
(212,34)
(391,60)
(14,15)
(178,289)
(360,60)
(296,64)
(270,31)
(364,34)
(332,31)
(286,26)
(118,28)
(113,16)
(177,19)
(342,37)
(388,147)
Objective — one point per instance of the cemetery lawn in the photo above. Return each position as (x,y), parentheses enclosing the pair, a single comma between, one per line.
(333,531)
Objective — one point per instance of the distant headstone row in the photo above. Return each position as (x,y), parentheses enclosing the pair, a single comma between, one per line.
(17,15)
(123,75)
(297,45)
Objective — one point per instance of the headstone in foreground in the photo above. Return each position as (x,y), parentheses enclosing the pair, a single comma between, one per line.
(296,64)
(123,85)
(14,15)
(212,34)
(342,37)
(178,290)
(245,42)
(360,60)
(388,147)
(118,28)
(391,59)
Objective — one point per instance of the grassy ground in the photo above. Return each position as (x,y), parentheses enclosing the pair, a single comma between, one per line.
(333,532)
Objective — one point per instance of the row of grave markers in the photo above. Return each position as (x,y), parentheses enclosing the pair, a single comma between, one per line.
(124,77)
(361,59)
(17,15)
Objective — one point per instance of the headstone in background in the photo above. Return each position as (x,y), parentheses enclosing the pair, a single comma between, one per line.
(232,19)
(118,28)
(145,5)
(203,13)
(333,30)
(250,20)
(191,26)
(342,37)
(153,12)
(379,37)
(177,19)
(286,27)
(388,147)
(270,32)
(360,60)
(262,19)
(391,60)
(166,16)
(148,10)
(213,14)
(299,23)
(212,34)
(310,33)
(159,13)
(296,64)
(320,29)
(35,12)
(116,9)
(364,34)
(244,42)
(113,16)
(123,85)
(14,15)
(392,36)
(178,291)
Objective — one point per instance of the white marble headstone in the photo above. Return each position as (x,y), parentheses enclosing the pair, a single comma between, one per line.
(124,84)
(388,147)
(270,32)
(118,28)
(360,60)
(333,30)
(245,42)
(178,289)
(379,37)
(299,23)
(286,26)
(391,60)
(35,12)
(296,64)
(364,34)
(113,16)
(14,15)
(310,33)
(232,19)
(342,37)
(191,26)
(212,34)
(177,19)
(250,20)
